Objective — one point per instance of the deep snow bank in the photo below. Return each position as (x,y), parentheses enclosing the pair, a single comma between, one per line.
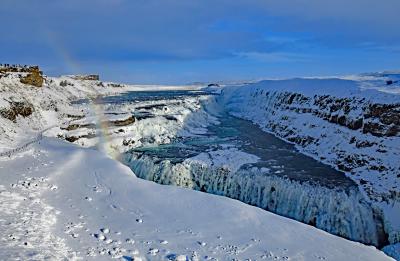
(350,124)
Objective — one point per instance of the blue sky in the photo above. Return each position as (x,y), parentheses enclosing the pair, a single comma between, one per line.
(183,41)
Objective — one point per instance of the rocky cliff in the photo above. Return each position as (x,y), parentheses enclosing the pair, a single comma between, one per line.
(352,125)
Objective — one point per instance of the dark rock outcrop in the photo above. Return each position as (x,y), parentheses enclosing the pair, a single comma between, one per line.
(114,123)
(23,109)
(354,113)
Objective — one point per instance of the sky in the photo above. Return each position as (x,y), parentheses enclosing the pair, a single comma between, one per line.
(185,41)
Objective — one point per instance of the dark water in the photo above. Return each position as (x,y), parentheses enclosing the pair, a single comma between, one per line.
(280,157)
(274,152)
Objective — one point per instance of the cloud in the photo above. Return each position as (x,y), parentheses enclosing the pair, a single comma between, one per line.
(61,33)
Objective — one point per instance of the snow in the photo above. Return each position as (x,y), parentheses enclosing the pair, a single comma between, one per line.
(336,211)
(151,126)
(262,104)
(51,97)
(338,87)
(58,200)
(70,227)
(230,158)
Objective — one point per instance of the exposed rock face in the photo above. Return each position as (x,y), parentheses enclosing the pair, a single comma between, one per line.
(115,85)
(384,120)
(120,123)
(112,123)
(30,75)
(355,134)
(34,78)
(377,119)
(17,108)
(65,83)
(18,68)
(75,138)
(355,114)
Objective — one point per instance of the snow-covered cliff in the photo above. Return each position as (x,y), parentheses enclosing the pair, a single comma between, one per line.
(343,213)
(26,109)
(350,123)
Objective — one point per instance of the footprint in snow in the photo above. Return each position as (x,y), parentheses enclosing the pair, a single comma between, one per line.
(174,257)
(108,241)
(97,189)
(100,237)
(201,243)
(116,252)
(105,230)
(153,251)
(130,241)
(133,258)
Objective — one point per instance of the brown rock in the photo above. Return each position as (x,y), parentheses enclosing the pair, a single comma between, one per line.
(34,78)
(23,109)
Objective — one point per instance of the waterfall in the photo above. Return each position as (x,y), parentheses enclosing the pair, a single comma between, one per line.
(340,212)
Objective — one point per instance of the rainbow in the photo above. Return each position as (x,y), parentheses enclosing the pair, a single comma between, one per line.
(95,105)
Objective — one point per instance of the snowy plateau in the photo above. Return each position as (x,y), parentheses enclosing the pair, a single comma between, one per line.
(294,169)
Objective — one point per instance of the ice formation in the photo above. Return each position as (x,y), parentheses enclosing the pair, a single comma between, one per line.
(339,212)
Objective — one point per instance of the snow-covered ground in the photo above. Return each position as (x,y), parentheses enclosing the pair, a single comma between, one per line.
(60,201)
(63,201)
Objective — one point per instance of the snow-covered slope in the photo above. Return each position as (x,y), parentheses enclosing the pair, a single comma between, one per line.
(61,201)
(351,123)
(25,109)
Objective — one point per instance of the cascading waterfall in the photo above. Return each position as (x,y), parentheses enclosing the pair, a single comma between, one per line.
(343,213)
